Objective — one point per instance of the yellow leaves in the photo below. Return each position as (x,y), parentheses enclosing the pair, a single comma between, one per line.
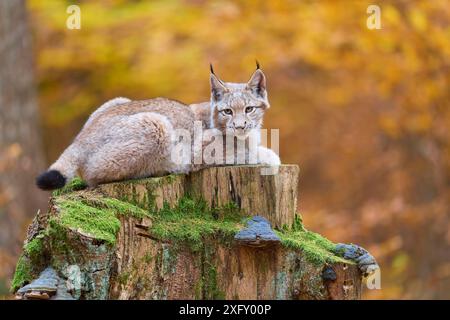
(400,263)
(225,10)
(9,154)
(77,106)
(411,122)
(390,126)
(419,123)
(418,19)
(390,16)
(338,96)
(13,151)
(150,48)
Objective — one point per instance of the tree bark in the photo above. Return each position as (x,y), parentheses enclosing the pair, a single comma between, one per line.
(20,145)
(195,256)
(271,196)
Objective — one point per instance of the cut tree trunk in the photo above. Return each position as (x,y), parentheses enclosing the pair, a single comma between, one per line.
(172,237)
(271,196)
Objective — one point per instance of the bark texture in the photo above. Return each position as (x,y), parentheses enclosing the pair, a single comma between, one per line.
(173,238)
(271,196)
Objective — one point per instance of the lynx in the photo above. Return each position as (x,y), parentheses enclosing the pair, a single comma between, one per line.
(126,139)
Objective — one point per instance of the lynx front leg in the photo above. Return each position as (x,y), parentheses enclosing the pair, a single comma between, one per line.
(139,146)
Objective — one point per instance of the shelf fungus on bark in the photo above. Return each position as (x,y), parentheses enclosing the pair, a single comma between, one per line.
(328,274)
(257,233)
(47,286)
(365,261)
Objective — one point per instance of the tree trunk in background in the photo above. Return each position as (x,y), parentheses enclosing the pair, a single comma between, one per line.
(20,145)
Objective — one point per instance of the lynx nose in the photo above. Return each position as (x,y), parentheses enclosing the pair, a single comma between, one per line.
(240,125)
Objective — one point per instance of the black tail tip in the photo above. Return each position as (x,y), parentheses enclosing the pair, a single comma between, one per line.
(50,180)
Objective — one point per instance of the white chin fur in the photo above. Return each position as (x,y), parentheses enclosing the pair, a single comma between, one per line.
(242,136)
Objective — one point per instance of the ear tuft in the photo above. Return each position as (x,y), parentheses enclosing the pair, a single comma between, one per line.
(257,65)
(218,88)
(257,83)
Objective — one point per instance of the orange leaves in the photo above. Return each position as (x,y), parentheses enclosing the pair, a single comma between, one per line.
(9,155)
(355,107)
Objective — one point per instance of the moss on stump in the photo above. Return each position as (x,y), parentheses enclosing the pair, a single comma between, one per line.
(160,238)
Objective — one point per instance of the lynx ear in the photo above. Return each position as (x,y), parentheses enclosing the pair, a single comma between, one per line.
(218,88)
(257,84)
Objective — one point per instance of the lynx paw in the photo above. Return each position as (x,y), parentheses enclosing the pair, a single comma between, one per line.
(268,157)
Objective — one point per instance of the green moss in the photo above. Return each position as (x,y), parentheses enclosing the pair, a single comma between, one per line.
(211,289)
(317,249)
(75,185)
(30,262)
(101,224)
(148,257)
(210,286)
(207,287)
(35,247)
(120,207)
(199,289)
(123,277)
(23,274)
(171,178)
(58,238)
(94,214)
(192,221)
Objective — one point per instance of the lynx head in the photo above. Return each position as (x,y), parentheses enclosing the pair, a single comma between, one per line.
(238,108)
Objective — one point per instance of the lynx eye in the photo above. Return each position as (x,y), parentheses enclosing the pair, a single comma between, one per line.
(249,109)
(227,111)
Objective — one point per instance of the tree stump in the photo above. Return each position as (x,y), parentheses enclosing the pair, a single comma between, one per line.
(174,237)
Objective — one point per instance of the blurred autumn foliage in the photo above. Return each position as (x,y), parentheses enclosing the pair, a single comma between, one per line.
(365,113)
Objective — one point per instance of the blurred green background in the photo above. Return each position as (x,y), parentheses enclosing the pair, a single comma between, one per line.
(365,113)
